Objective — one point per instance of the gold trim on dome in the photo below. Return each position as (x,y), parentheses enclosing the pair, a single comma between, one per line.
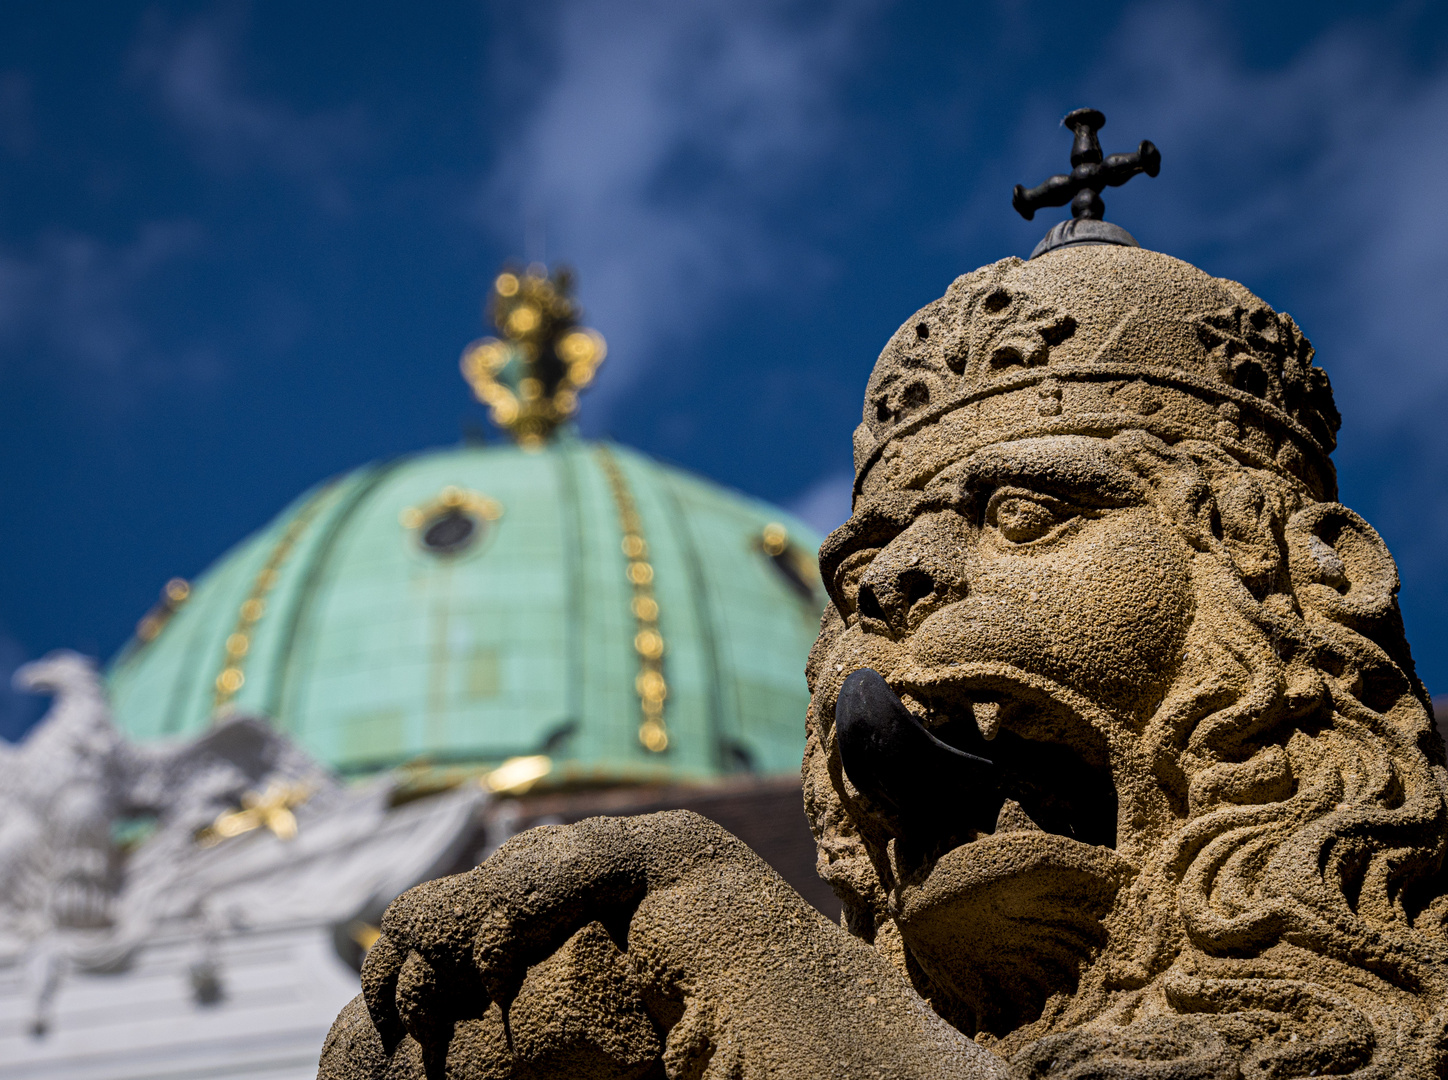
(365,934)
(798,566)
(774,539)
(650,685)
(517,775)
(174,594)
(238,643)
(451,499)
(531,376)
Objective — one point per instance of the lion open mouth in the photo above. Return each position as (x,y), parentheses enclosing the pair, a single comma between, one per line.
(1003,816)
(950,762)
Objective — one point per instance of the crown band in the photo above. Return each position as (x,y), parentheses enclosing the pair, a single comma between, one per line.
(1170,403)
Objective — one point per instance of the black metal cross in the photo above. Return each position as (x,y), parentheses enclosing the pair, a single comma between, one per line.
(1081,187)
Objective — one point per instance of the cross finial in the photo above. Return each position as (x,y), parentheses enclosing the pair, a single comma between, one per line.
(1081,187)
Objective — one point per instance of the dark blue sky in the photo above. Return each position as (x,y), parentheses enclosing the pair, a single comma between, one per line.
(242,245)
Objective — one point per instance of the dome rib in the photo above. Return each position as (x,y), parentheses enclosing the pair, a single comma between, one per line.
(571,519)
(703,608)
(286,655)
(261,589)
(194,666)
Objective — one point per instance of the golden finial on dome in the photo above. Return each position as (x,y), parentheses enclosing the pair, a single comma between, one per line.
(530,376)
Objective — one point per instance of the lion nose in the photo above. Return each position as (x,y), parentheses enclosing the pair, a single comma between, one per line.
(892,594)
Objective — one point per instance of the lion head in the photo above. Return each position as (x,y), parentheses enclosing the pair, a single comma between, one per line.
(1115,741)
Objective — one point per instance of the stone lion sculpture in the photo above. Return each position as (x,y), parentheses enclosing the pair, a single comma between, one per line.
(1116,754)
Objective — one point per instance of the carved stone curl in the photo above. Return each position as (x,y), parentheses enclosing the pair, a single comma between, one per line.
(1116,754)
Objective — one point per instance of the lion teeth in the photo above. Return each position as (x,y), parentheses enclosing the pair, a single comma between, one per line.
(988,718)
(1013,818)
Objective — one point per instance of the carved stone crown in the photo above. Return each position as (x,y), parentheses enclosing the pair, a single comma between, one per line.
(1096,340)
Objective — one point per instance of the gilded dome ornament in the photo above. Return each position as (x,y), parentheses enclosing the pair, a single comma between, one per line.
(530,376)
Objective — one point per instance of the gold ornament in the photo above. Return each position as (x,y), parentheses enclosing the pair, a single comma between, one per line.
(530,376)
(270,809)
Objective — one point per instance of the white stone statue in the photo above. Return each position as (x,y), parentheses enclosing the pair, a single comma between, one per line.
(60,792)
(249,840)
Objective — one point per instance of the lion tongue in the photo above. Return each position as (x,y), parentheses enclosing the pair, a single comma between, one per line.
(922,785)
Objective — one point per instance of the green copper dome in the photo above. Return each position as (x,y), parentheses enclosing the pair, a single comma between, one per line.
(472,605)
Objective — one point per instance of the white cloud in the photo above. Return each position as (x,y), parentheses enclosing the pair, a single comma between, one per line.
(660,152)
(75,297)
(198,76)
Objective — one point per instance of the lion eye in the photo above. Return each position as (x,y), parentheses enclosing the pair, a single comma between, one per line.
(1021,519)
